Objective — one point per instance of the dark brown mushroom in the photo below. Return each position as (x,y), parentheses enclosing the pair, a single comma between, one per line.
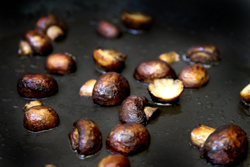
(194,76)
(116,160)
(51,25)
(38,117)
(86,137)
(128,139)
(108,60)
(224,146)
(245,94)
(108,29)
(148,71)
(165,90)
(60,63)
(36,43)
(110,89)
(135,108)
(37,85)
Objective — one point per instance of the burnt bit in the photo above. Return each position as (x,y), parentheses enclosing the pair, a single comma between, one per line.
(37,85)
(108,60)
(51,25)
(128,139)
(110,89)
(60,63)
(116,160)
(194,76)
(135,108)
(148,71)
(86,137)
(108,29)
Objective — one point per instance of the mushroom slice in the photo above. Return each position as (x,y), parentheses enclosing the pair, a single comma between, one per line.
(24,48)
(194,76)
(245,94)
(170,57)
(108,30)
(109,59)
(116,160)
(32,104)
(165,90)
(87,88)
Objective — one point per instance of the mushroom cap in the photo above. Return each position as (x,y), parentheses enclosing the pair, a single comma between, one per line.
(108,29)
(116,160)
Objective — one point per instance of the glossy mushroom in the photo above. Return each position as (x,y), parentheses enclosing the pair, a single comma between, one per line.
(135,108)
(51,25)
(86,137)
(60,63)
(110,89)
(128,139)
(245,94)
(108,29)
(108,60)
(194,76)
(148,71)
(37,85)
(223,146)
(116,160)
(170,57)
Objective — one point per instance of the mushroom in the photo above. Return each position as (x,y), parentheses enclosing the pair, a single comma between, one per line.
(136,22)
(165,90)
(108,60)
(60,63)
(86,137)
(110,89)
(170,57)
(37,85)
(194,76)
(116,160)
(51,25)
(36,43)
(135,109)
(127,139)
(87,88)
(148,71)
(223,146)
(245,94)
(38,117)
(108,29)
(204,54)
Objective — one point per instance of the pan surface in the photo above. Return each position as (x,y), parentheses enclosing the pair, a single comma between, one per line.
(177,26)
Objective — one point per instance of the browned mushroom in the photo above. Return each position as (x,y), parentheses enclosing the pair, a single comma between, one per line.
(128,139)
(136,22)
(135,108)
(170,57)
(109,60)
(245,94)
(86,137)
(204,54)
(224,146)
(38,117)
(36,43)
(116,160)
(148,71)
(110,89)
(37,85)
(108,29)
(165,90)
(52,26)
(194,76)
(60,63)
(87,88)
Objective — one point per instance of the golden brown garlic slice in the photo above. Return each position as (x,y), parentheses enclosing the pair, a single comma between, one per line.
(135,108)
(194,76)
(60,63)
(108,29)
(116,160)
(224,146)
(110,89)
(51,25)
(86,137)
(87,88)
(148,71)
(170,57)
(165,90)
(109,60)
(36,43)
(128,139)
(245,94)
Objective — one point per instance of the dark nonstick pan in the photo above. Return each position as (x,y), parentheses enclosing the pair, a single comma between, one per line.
(177,26)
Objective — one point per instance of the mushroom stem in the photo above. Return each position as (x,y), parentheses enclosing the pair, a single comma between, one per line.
(149,111)
(200,134)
